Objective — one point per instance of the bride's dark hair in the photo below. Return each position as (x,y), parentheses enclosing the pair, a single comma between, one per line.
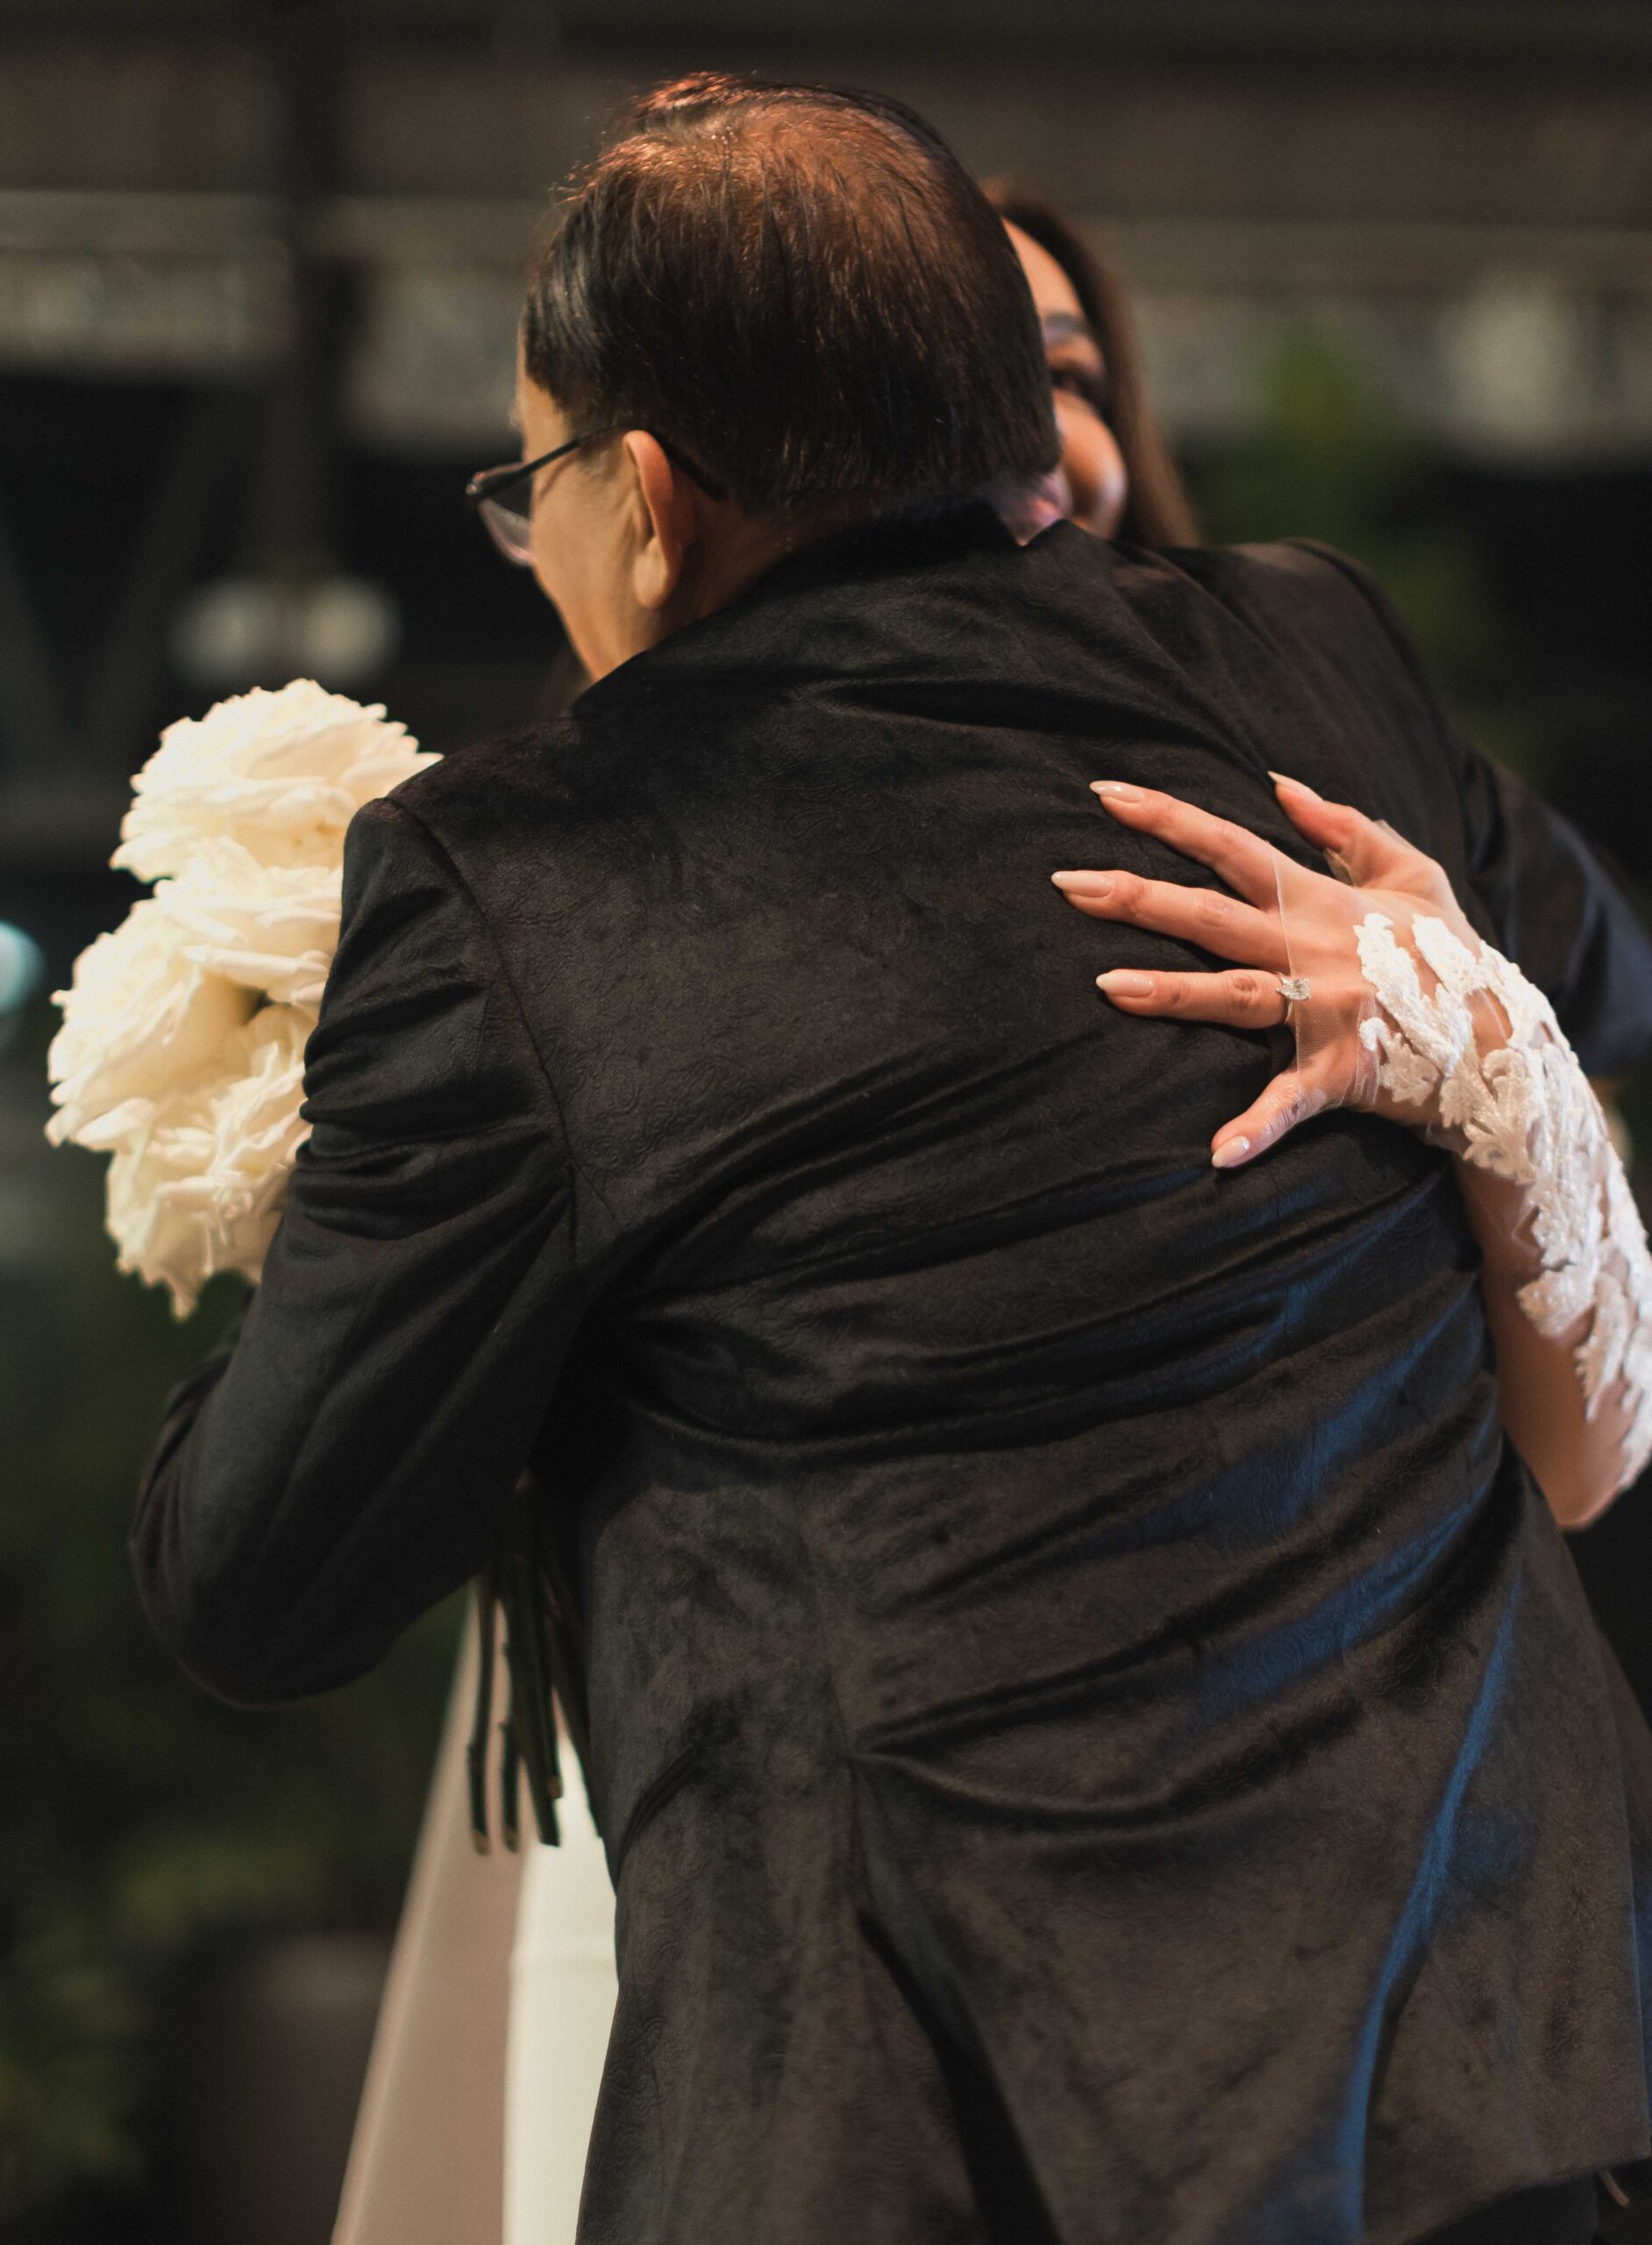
(1158,510)
(803,293)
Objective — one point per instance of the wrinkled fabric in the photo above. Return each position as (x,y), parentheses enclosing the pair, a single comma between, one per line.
(1554,2213)
(1096,1734)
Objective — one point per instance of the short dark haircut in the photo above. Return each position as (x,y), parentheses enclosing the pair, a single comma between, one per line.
(804,293)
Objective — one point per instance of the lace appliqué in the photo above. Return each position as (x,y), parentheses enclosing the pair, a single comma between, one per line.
(1523,1110)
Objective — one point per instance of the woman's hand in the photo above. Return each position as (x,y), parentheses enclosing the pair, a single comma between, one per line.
(1400,1010)
(1293,935)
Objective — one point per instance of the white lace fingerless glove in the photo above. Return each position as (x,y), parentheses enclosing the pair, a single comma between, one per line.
(1483,1056)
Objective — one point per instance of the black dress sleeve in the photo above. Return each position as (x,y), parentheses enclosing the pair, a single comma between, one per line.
(1562,916)
(1557,912)
(340,1469)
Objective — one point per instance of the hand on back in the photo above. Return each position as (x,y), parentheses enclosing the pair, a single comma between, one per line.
(1296,937)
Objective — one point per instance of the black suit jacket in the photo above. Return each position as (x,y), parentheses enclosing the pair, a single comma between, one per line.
(1069,1646)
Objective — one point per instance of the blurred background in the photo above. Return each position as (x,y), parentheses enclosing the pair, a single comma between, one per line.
(259,278)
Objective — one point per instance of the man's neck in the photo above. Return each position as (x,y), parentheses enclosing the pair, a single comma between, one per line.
(737,552)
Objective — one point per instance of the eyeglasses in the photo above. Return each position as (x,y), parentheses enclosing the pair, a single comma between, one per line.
(503,497)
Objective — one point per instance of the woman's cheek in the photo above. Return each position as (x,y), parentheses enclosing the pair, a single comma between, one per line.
(1050,502)
(1094,467)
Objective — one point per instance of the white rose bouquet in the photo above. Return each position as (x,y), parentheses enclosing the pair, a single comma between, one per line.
(182,1052)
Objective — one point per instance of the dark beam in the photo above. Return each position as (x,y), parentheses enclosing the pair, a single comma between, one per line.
(35,741)
(1571,35)
(194,484)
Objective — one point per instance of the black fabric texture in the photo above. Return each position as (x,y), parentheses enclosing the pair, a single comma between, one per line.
(1122,1699)
(1558,2213)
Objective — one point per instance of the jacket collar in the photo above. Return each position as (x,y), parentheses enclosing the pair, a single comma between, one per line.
(886,547)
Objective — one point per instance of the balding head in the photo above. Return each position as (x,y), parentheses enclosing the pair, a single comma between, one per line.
(802,294)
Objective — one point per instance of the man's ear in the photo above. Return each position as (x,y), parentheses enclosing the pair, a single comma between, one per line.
(666,503)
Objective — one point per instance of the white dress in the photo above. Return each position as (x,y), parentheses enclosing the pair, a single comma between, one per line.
(562,1992)
(477,2106)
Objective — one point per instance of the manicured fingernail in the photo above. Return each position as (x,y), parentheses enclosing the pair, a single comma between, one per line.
(1124,982)
(1097,884)
(1230,1153)
(1284,780)
(1116,791)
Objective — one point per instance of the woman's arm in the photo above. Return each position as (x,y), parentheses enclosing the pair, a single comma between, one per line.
(1580,1458)
(1400,1010)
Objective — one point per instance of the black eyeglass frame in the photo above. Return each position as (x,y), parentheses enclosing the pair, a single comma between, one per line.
(491,480)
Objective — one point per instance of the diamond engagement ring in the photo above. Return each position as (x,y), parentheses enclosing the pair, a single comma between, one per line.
(1293,989)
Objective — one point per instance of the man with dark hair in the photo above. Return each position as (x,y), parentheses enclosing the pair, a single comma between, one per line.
(817,276)
(1097,1735)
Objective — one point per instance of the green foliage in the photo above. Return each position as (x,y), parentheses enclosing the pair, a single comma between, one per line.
(142,1816)
(1325,459)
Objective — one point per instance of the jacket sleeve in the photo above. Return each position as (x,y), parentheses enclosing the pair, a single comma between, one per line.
(339,1469)
(1561,915)
(1556,911)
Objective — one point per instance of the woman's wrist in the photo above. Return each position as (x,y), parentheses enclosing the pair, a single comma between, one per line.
(1499,1213)
(1400,1010)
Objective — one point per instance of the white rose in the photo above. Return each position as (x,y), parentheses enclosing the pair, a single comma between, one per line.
(282,773)
(201,1189)
(241,817)
(273,929)
(140,1016)
(161,1245)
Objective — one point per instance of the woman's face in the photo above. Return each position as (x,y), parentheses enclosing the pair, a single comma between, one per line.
(1091,485)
